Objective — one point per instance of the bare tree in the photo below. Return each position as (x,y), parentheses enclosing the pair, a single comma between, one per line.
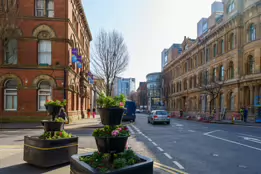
(211,86)
(109,57)
(9,19)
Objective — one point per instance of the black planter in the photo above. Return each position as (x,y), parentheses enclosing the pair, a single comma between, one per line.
(79,167)
(111,116)
(111,145)
(53,110)
(52,126)
(47,153)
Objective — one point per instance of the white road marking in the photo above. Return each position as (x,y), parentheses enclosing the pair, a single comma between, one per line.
(160,149)
(131,131)
(191,130)
(251,139)
(211,132)
(167,155)
(179,125)
(234,142)
(154,143)
(149,139)
(250,135)
(179,165)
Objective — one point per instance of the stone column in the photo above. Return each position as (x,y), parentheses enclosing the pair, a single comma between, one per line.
(251,97)
(241,97)
(257,60)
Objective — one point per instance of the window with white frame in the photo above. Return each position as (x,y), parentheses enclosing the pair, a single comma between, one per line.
(11,52)
(44,8)
(44,94)
(45,52)
(10,95)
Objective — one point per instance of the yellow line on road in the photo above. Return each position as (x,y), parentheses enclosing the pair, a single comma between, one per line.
(11,146)
(164,169)
(170,168)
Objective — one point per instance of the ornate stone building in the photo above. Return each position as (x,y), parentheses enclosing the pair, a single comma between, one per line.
(41,66)
(229,51)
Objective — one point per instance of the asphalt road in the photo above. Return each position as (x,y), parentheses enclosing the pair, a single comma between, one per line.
(201,148)
(11,152)
(192,147)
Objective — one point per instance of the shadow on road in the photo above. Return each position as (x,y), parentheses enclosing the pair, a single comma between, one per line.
(26,168)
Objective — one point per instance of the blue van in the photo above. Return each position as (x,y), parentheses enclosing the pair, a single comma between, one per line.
(129,113)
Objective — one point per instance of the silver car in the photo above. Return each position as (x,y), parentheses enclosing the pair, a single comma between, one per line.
(159,116)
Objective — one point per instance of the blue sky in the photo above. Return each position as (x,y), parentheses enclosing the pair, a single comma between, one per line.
(148,26)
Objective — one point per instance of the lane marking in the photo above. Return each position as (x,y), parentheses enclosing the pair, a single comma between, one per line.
(249,135)
(251,139)
(191,130)
(167,155)
(154,143)
(131,130)
(160,149)
(176,170)
(234,142)
(179,165)
(207,133)
(149,139)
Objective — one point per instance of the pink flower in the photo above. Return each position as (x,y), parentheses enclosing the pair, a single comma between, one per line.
(125,128)
(115,133)
(121,104)
(61,133)
(120,129)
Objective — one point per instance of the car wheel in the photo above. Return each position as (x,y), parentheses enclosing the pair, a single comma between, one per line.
(168,122)
(133,120)
(148,121)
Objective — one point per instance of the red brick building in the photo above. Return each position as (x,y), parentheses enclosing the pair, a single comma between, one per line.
(41,67)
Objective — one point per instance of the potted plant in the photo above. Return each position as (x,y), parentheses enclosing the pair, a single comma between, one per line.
(111,158)
(53,108)
(111,109)
(50,148)
(55,146)
(111,138)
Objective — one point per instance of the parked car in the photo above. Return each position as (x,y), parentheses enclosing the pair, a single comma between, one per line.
(159,116)
(138,111)
(130,112)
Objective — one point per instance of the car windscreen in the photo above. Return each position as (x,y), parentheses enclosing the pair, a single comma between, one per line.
(161,113)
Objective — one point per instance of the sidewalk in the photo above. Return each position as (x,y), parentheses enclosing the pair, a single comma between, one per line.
(237,122)
(84,123)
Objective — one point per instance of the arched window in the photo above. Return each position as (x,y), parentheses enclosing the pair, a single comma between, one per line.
(232,101)
(45,52)
(206,78)
(251,65)
(10,95)
(232,41)
(44,93)
(252,32)
(221,72)
(231,70)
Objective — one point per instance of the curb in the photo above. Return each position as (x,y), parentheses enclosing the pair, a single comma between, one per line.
(214,122)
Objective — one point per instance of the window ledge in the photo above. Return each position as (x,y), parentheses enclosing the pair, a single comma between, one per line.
(10,110)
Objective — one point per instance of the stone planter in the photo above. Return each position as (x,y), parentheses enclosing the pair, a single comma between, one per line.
(47,153)
(112,144)
(111,116)
(144,167)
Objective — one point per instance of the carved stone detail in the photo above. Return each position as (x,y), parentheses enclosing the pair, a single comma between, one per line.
(5,77)
(44,31)
(44,77)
